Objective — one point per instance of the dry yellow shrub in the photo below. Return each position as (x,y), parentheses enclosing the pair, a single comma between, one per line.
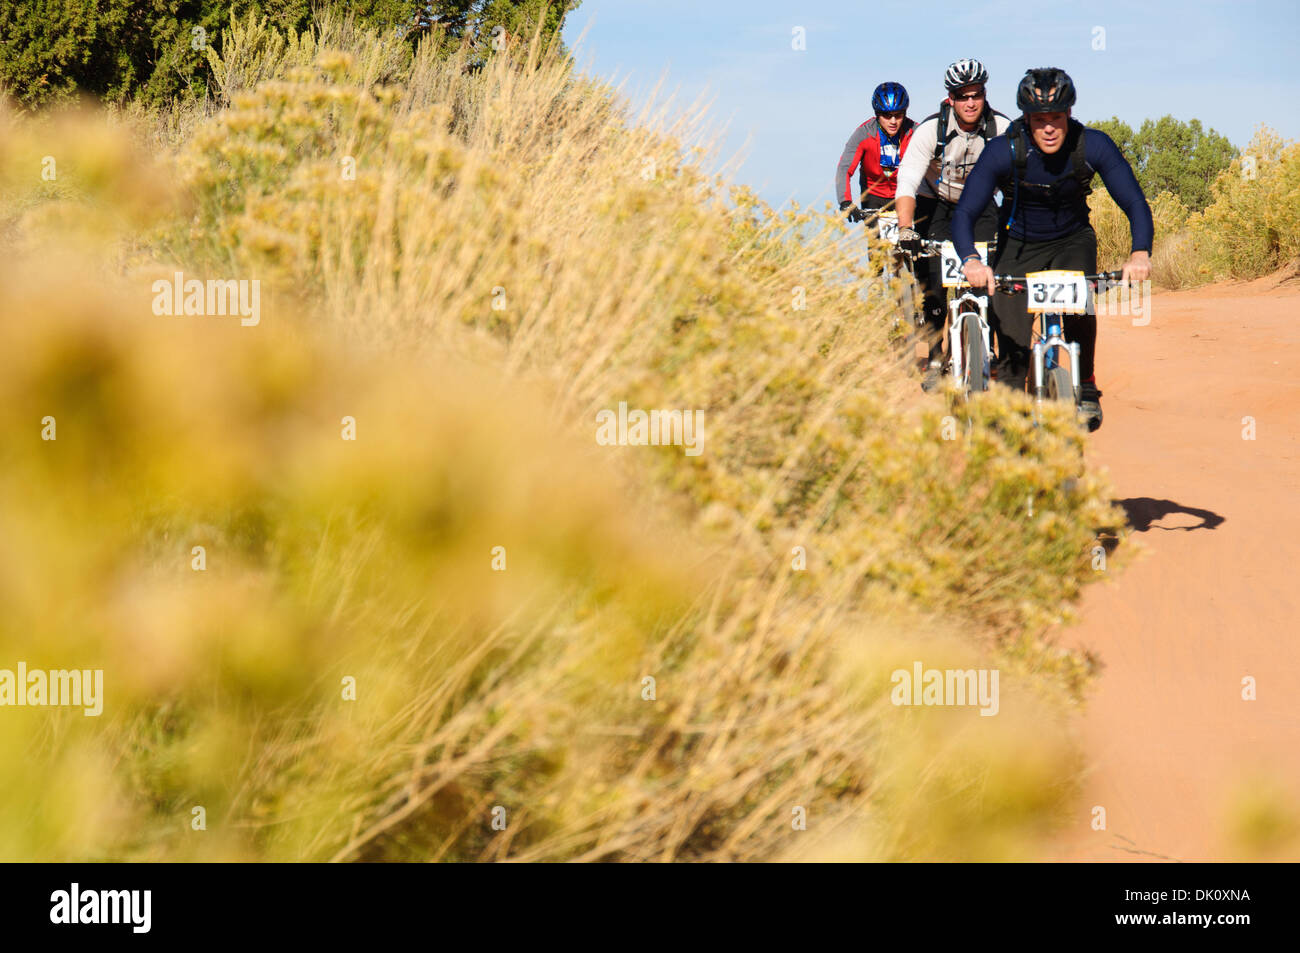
(471,329)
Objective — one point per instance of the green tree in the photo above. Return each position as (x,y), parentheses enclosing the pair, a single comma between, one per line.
(481,22)
(1181,158)
(1170,155)
(1121,132)
(113,49)
(50,49)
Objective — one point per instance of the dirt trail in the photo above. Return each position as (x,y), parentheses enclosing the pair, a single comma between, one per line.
(1216,595)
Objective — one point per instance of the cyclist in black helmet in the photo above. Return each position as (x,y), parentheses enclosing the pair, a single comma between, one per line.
(1044,166)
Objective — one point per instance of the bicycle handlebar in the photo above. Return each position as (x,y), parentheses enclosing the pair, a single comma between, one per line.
(1016,283)
(931,247)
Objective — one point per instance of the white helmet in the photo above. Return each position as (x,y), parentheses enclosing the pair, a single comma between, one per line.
(964,73)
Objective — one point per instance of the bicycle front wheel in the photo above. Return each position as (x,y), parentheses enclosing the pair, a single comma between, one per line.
(973,356)
(1060,386)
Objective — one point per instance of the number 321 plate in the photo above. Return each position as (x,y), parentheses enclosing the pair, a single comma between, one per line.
(1057,292)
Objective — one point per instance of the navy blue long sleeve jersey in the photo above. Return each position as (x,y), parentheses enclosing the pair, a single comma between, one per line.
(1037,216)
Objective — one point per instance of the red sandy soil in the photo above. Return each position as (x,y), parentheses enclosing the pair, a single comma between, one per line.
(1215,595)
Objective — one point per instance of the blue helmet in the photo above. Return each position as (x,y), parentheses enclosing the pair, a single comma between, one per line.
(889,98)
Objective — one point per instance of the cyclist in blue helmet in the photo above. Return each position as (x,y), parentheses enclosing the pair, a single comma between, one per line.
(889,97)
(875,151)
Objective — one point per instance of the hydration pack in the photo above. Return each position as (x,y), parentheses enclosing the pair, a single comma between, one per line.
(942,138)
(1078,169)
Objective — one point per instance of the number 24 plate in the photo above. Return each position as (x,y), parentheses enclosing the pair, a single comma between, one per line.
(951,264)
(1057,292)
(887,224)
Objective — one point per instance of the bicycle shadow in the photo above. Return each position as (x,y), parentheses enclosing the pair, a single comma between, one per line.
(1144,511)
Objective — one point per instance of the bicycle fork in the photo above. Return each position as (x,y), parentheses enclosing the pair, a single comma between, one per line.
(958,319)
(1045,343)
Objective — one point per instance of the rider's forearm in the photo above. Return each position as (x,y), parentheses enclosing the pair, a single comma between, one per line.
(1142,238)
(1140,223)
(905,206)
(850,158)
(963,229)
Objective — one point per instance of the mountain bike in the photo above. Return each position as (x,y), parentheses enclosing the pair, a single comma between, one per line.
(1052,295)
(970,348)
(884,222)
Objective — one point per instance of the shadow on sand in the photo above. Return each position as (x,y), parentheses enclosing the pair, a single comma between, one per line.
(1143,511)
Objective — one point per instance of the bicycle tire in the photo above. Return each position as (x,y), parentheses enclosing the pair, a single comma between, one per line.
(973,357)
(1060,386)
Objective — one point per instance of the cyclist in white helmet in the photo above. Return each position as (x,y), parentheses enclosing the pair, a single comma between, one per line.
(943,150)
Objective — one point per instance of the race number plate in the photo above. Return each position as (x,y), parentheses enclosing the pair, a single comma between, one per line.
(887,223)
(952,276)
(1057,292)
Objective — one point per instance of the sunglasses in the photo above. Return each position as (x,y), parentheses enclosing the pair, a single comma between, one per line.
(969,97)
(894,115)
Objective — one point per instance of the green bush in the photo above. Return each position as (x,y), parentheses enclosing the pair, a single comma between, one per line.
(1174,259)
(1253,225)
(52,50)
(1250,227)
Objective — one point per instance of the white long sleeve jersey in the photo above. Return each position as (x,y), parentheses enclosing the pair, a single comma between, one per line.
(922,174)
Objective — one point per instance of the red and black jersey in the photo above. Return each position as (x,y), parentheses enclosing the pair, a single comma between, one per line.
(875,161)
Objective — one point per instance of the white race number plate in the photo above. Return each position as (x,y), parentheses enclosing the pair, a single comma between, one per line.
(1057,292)
(887,223)
(952,276)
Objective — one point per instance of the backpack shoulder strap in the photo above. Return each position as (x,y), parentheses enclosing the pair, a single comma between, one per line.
(1079,166)
(1019,147)
(941,134)
(990,124)
(1019,160)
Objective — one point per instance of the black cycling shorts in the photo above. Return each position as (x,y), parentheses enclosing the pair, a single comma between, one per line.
(1074,252)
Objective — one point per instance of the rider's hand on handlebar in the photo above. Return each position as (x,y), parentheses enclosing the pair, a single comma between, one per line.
(978,274)
(855,213)
(909,240)
(1138,267)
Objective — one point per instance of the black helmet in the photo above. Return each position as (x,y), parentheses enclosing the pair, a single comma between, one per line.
(1045,90)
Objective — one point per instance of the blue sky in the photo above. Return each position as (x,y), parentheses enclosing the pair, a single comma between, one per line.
(1231,65)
